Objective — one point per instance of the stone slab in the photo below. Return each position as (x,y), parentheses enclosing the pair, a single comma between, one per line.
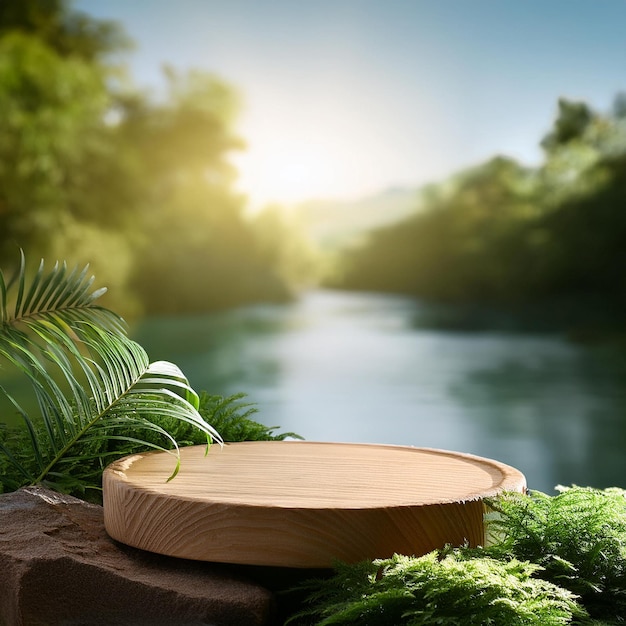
(59,567)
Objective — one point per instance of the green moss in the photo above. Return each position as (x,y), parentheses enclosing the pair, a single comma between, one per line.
(448,588)
(551,560)
(578,537)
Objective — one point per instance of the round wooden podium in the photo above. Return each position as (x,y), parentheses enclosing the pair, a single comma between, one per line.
(301,504)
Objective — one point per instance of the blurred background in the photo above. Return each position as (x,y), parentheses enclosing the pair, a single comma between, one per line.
(395,222)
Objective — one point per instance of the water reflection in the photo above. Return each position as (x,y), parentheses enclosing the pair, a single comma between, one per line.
(573,432)
(353,367)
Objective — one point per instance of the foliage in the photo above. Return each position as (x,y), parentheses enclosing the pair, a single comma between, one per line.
(69,33)
(93,385)
(510,237)
(232,419)
(572,546)
(229,416)
(91,165)
(578,537)
(194,214)
(49,128)
(441,588)
(571,122)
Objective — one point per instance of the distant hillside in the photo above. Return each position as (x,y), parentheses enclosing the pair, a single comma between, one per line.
(332,224)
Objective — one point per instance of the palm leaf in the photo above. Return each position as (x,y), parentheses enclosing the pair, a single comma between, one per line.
(95,388)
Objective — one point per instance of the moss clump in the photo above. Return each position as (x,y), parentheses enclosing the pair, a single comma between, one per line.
(552,560)
(450,588)
(578,537)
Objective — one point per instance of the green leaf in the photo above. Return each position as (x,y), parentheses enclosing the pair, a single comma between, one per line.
(97,392)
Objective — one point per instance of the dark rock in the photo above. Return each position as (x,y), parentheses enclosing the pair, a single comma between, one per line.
(59,567)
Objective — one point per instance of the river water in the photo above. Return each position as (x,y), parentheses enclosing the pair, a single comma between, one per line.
(351,367)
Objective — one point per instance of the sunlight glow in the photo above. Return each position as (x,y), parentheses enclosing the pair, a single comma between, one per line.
(286,171)
(299,152)
(306,146)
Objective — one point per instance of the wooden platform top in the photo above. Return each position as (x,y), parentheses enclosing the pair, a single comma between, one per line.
(300,474)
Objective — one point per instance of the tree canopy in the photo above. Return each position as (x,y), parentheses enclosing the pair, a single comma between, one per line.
(94,170)
(514,237)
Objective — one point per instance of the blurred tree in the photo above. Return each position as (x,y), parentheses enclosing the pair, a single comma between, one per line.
(196,239)
(55,148)
(67,32)
(462,245)
(571,122)
(507,236)
(585,191)
(51,122)
(92,170)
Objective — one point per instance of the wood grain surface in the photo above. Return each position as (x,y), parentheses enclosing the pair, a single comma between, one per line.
(299,503)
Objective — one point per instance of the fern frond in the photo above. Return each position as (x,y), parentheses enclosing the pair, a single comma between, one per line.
(577,536)
(91,382)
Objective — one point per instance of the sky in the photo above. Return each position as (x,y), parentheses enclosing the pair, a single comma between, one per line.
(346,98)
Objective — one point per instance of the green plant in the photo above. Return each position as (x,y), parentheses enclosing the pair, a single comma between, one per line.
(551,560)
(97,393)
(229,415)
(578,537)
(447,588)
(232,419)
